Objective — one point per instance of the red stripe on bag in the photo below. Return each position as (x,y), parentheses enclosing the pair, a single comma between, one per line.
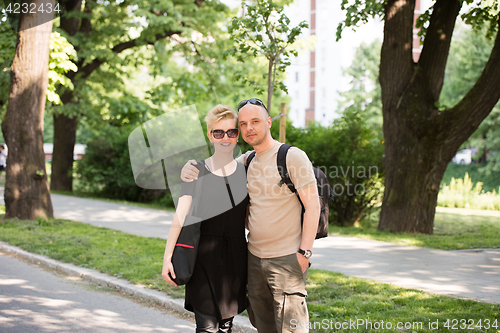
(184,245)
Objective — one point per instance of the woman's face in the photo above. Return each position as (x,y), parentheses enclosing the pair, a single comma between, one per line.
(225,143)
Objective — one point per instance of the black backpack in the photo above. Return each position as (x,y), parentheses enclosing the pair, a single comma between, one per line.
(325,192)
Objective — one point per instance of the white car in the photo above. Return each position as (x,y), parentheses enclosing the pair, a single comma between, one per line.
(463,156)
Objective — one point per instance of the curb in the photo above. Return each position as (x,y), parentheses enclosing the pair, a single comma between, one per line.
(240,323)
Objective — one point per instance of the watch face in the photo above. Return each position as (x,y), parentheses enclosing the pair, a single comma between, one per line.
(307,254)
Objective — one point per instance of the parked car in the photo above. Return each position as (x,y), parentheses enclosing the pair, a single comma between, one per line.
(463,156)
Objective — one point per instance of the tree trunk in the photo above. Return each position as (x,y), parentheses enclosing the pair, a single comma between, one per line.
(270,86)
(27,193)
(62,157)
(61,178)
(420,140)
(415,162)
(65,126)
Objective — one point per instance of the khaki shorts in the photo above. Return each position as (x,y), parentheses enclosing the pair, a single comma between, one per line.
(277,294)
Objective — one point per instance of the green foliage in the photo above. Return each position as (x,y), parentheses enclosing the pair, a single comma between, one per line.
(452,231)
(7,50)
(105,169)
(484,14)
(61,57)
(365,94)
(264,30)
(476,171)
(478,14)
(462,193)
(469,53)
(351,156)
(359,12)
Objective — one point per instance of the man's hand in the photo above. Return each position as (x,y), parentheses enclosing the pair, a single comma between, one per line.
(189,172)
(304,263)
(167,271)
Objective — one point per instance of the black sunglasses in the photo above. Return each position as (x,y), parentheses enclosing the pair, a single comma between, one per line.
(231,133)
(254,101)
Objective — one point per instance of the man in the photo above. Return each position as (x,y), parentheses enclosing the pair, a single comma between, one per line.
(3,160)
(279,246)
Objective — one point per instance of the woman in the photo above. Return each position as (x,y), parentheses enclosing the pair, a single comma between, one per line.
(216,291)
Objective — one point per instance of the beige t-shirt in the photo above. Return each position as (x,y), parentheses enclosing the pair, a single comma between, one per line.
(275,212)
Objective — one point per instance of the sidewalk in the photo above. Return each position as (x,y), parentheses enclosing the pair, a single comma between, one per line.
(473,274)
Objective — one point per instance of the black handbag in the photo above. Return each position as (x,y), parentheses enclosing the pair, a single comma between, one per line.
(186,247)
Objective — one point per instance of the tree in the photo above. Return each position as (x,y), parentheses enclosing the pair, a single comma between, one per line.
(27,193)
(102,33)
(421,138)
(468,55)
(264,30)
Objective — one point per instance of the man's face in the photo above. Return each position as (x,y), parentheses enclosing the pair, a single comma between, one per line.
(254,124)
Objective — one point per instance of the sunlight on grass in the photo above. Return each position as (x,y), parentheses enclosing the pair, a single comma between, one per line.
(334,298)
(451,232)
(331,296)
(137,259)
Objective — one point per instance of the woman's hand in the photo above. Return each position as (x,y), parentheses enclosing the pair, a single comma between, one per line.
(189,172)
(168,268)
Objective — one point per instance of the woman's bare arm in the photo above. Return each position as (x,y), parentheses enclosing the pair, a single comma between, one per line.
(181,212)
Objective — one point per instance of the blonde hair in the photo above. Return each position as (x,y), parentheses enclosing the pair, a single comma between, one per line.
(218,113)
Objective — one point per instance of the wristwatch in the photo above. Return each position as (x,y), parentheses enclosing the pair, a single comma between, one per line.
(306,253)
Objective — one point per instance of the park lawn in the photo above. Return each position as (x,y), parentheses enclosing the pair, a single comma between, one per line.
(451,232)
(332,297)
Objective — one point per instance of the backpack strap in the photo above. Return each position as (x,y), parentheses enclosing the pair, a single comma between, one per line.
(282,169)
(249,159)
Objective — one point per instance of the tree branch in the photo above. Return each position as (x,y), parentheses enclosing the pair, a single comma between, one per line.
(437,43)
(396,65)
(86,25)
(88,69)
(480,100)
(96,63)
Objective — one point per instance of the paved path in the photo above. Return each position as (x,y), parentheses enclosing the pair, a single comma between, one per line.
(470,274)
(33,300)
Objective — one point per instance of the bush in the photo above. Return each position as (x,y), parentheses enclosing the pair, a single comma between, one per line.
(478,172)
(351,156)
(461,193)
(105,169)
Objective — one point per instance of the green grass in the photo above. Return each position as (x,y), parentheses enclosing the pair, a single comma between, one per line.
(332,296)
(451,232)
(137,259)
(336,298)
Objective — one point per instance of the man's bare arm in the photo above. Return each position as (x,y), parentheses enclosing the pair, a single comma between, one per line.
(310,200)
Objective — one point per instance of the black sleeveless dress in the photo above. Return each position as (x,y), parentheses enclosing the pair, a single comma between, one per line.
(218,284)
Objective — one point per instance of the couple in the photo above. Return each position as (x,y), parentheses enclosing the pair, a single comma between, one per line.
(279,246)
